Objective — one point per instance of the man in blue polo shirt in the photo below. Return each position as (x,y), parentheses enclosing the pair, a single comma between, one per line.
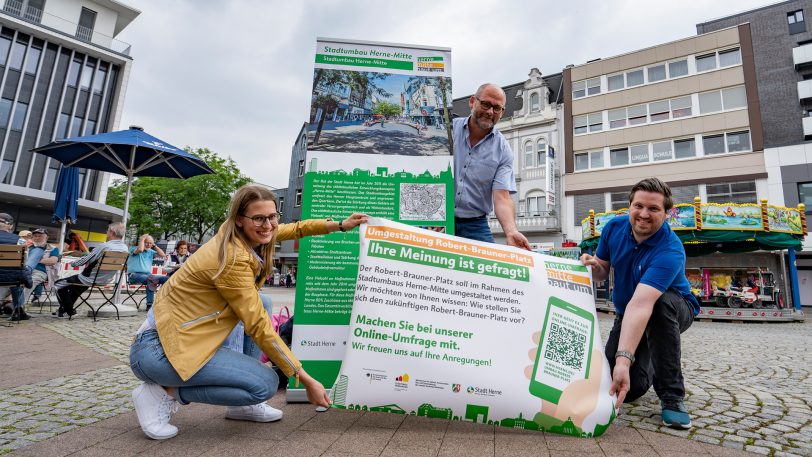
(652,298)
(483,171)
(139,266)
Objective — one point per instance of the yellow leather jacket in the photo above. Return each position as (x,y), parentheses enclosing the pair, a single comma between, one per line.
(194,313)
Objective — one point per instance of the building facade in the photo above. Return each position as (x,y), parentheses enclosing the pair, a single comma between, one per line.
(62,74)
(533,114)
(290,201)
(686,112)
(782,54)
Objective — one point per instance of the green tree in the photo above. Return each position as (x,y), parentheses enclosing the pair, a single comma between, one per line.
(166,207)
(364,84)
(387,109)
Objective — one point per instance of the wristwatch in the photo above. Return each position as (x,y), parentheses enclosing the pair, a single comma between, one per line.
(626,354)
(340,227)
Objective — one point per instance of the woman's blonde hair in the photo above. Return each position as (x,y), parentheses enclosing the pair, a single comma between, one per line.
(230,232)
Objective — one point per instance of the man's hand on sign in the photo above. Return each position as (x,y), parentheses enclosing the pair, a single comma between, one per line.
(621,383)
(579,399)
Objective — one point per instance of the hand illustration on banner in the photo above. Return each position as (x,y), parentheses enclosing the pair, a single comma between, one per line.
(579,398)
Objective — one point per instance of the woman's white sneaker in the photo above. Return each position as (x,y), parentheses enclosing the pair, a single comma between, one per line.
(261,412)
(154,409)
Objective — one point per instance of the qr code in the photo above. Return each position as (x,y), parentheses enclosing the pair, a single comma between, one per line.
(565,346)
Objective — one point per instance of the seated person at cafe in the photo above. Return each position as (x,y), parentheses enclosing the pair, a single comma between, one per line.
(48,256)
(70,288)
(13,275)
(139,266)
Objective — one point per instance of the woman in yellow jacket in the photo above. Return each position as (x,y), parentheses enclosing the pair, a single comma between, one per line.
(177,351)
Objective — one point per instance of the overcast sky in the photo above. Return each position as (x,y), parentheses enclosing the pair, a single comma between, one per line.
(235,76)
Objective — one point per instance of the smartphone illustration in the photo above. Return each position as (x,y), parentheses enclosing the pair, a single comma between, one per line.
(565,349)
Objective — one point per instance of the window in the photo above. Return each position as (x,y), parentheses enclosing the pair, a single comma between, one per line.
(5,45)
(634,78)
(50,177)
(541,152)
(637,114)
(281,204)
(595,122)
(662,151)
(615,82)
(301,168)
(98,81)
(529,155)
(33,60)
(90,127)
(706,62)
(5,171)
(535,204)
(619,157)
(5,112)
(534,102)
(76,127)
(87,20)
(596,159)
(20,111)
(656,73)
(584,203)
(659,111)
(617,118)
(734,192)
(73,72)
(738,141)
(298,201)
(17,55)
(579,124)
(619,200)
(796,22)
(681,107)
(734,97)
(684,148)
(87,76)
(710,102)
(582,161)
(730,57)
(805,197)
(62,126)
(579,89)
(713,144)
(82,178)
(639,153)
(678,68)
(593,86)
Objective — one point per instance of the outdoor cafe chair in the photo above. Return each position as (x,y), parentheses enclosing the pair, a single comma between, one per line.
(132,290)
(109,261)
(12,257)
(45,296)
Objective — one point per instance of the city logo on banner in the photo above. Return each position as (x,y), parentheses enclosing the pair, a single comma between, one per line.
(568,276)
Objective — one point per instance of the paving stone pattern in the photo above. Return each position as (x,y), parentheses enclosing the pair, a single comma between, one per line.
(749,389)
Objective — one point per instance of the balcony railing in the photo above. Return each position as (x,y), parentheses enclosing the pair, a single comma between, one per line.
(802,55)
(530,222)
(63,26)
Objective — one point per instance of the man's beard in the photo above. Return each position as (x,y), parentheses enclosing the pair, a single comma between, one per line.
(40,245)
(481,121)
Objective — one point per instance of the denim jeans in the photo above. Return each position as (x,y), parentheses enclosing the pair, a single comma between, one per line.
(152,282)
(657,358)
(229,378)
(475,228)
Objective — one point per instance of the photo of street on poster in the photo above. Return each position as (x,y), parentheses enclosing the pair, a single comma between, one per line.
(452,328)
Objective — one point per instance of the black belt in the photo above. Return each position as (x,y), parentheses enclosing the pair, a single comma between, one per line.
(469,219)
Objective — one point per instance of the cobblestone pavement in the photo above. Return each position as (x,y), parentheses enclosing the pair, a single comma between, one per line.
(749,388)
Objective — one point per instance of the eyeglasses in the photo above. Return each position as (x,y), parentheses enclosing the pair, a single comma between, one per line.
(488,105)
(259,220)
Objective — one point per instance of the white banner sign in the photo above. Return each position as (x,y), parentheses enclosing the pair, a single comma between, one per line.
(447,327)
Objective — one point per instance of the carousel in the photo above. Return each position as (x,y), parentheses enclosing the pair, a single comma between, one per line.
(740,257)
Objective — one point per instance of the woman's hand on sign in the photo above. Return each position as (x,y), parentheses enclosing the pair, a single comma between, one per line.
(353,221)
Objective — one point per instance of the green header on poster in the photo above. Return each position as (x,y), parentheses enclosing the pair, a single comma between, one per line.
(364,62)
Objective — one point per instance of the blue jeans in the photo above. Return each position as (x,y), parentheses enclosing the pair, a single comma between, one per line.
(475,228)
(152,282)
(229,378)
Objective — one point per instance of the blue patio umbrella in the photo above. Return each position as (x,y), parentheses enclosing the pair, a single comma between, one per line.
(66,202)
(131,152)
